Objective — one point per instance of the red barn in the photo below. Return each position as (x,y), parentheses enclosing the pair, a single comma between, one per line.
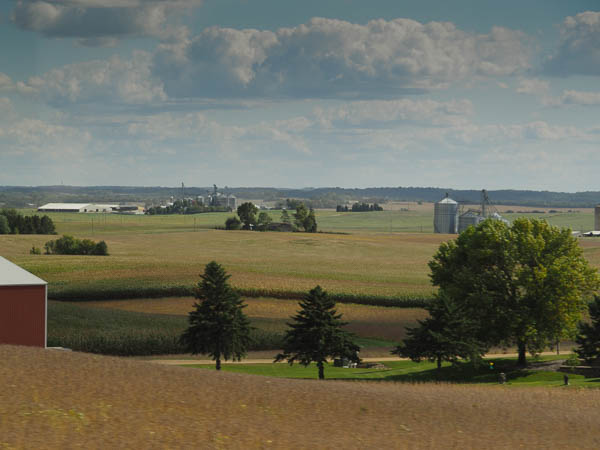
(23,306)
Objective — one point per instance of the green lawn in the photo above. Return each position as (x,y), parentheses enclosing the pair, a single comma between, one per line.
(408,371)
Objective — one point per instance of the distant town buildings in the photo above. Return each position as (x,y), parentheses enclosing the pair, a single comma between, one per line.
(92,208)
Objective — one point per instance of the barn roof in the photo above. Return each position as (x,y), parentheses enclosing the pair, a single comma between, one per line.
(13,275)
(63,206)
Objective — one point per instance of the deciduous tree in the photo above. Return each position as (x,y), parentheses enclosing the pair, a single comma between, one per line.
(524,284)
(247,213)
(218,326)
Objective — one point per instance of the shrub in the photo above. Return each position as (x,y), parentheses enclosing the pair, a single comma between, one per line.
(233,223)
(35,251)
(68,245)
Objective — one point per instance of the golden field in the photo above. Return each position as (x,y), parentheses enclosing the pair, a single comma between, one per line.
(53,399)
(149,251)
(373,264)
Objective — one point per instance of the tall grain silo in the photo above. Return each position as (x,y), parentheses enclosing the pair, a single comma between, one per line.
(445,216)
(597,218)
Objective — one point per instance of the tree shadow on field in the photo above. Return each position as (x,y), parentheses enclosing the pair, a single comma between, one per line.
(461,372)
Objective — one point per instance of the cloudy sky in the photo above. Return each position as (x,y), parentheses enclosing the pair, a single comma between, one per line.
(352,93)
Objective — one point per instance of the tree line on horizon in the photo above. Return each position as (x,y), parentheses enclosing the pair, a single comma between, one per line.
(325,197)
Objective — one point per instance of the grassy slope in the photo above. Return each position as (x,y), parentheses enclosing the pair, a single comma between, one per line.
(55,400)
(408,371)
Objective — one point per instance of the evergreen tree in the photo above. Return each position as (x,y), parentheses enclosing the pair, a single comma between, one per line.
(4,228)
(310,223)
(316,334)
(588,337)
(263,222)
(218,325)
(285,217)
(447,335)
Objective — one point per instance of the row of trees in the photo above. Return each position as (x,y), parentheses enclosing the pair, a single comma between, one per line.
(359,207)
(524,285)
(247,219)
(219,328)
(13,222)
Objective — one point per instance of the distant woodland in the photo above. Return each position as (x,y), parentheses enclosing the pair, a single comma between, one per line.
(18,196)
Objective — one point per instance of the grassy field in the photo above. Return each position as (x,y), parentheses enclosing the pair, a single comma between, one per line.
(398,217)
(411,372)
(53,399)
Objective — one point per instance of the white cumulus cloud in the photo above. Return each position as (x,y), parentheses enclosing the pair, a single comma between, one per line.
(104,81)
(579,48)
(335,58)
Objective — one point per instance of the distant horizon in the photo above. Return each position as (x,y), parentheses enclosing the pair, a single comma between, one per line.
(220,188)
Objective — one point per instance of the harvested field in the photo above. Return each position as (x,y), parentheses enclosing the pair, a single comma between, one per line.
(387,265)
(365,321)
(54,399)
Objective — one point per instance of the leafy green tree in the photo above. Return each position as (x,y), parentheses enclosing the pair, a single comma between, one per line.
(316,334)
(264,219)
(233,223)
(447,335)
(218,326)
(524,284)
(247,213)
(100,249)
(588,338)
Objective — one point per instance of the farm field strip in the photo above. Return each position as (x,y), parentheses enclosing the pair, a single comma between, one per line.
(272,314)
(133,404)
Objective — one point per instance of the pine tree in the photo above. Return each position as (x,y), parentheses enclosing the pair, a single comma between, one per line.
(316,334)
(448,334)
(588,337)
(218,325)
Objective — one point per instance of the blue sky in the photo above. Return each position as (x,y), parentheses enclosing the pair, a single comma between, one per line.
(463,94)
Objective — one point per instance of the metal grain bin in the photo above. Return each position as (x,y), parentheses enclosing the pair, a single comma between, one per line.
(445,216)
(469,218)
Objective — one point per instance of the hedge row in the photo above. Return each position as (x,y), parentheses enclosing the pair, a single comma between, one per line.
(126,292)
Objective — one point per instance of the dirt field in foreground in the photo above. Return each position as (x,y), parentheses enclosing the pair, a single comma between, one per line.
(54,399)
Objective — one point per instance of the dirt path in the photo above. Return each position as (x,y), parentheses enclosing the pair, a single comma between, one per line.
(184,362)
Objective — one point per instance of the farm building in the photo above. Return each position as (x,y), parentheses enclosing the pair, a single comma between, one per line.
(23,306)
(80,207)
(63,207)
